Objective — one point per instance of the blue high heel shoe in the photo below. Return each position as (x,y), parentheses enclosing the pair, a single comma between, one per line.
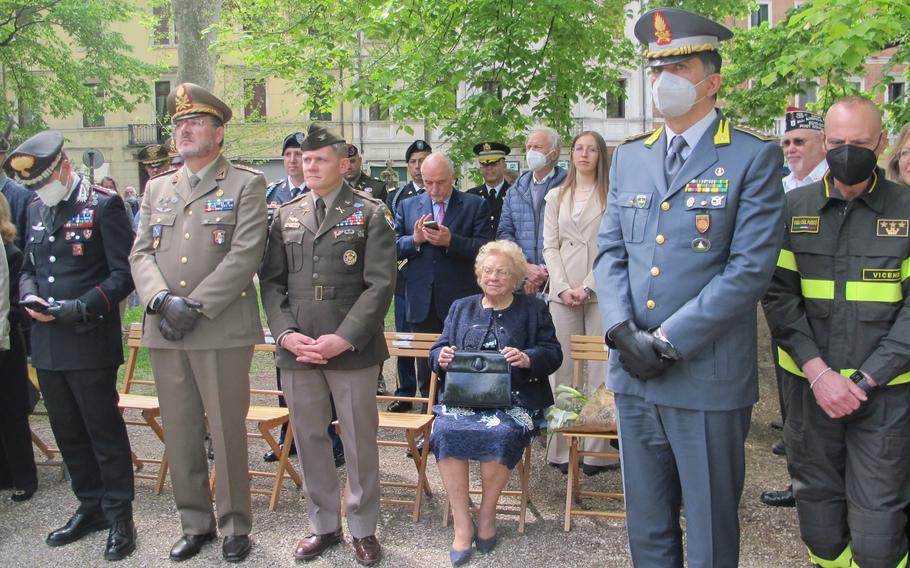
(485,545)
(460,557)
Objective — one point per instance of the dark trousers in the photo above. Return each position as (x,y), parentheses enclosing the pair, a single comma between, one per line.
(91,435)
(17,461)
(407,374)
(336,440)
(433,324)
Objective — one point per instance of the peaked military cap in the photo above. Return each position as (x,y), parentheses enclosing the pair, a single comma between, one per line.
(292,140)
(416,146)
(674,34)
(153,154)
(352,151)
(798,118)
(189,99)
(35,159)
(491,152)
(318,136)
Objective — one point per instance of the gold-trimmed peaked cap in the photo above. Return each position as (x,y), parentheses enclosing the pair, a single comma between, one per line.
(491,152)
(189,99)
(152,155)
(318,136)
(674,34)
(33,161)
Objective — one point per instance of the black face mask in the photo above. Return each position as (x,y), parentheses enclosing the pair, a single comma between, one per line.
(851,164)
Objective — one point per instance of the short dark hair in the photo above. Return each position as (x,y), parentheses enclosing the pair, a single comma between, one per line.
(711,60)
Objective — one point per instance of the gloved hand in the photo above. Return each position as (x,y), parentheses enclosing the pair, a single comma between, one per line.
(180,313)
(641,354)
(168,332)
(69,312)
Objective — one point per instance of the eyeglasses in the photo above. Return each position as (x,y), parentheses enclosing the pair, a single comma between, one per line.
(498,272)
(194,123)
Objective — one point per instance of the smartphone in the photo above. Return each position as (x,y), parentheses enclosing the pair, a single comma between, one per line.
(431,225)
(35,306)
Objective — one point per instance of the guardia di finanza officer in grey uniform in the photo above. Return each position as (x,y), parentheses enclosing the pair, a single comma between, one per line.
(327,283)
(76,264)
(200,240)
(686,249)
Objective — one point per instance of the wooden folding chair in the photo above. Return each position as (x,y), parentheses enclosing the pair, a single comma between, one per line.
(586,348)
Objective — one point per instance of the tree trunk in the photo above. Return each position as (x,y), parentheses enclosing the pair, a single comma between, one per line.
(195,61)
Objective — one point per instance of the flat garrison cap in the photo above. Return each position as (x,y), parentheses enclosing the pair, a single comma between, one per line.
(674,34)
(318,136)
(292,140)
(798,118)
(35,159)
(416,146)
(153,154)
(189,99)
(491,152)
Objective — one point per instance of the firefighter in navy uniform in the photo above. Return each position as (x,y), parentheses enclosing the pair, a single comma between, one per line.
(838,309)
(77,268)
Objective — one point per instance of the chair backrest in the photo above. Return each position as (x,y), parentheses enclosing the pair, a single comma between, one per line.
(586,348)
(417,345)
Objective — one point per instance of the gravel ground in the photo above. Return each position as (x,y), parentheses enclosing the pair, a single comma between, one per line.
(770,536)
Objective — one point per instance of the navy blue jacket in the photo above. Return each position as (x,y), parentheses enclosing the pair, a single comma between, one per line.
(18,198)
(526,324)
(432,272)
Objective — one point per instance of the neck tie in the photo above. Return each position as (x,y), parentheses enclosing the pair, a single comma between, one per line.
(295,191)
(194,180)
(674,160)
(320,211)
(440,212)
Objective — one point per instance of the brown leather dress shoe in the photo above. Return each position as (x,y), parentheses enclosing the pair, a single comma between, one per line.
(315,544)
(367,550)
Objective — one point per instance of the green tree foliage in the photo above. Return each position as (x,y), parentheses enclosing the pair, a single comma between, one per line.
(52,50)
(822,44)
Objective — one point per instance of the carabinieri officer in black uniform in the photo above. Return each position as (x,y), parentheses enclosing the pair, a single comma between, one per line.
(76,272)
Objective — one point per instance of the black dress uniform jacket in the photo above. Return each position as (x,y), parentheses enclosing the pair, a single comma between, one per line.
(495,203)
(79,249)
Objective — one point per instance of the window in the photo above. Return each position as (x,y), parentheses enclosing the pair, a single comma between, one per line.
(616,104)
(254,100)
(761,15)
(803,100)
(319,102)
(164,32)
(895,92)
(162,89)
(94,119)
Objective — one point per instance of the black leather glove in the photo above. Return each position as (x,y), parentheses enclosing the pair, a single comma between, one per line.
(168,332)
(69,312)
(180,313)
(641,354)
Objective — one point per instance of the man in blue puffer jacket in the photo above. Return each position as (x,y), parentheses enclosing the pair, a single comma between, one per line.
(522,211)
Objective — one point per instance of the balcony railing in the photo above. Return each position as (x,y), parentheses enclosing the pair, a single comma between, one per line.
(144,134)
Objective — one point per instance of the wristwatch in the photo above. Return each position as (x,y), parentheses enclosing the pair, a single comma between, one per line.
(859,379)
(591,293)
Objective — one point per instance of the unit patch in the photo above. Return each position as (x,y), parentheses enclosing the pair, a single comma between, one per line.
(804,224)
(350,257)
(891,227)
(881,275)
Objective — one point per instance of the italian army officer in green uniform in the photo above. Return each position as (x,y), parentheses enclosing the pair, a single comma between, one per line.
(200,240)
(327,283)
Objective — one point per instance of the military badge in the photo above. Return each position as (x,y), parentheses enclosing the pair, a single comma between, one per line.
(358,204)
(337,233)
(702,223)
(388,219)
(719,171)
(690,201)
(183,101)
(87,234)
(219,193)
(701,244)
(662,29)
(156,236)
(717,200)
(641,200)
(38,227)
(77,249)
(349,257)
(22,164)
(891,227)
(289,224)
(805,224)
(219,236)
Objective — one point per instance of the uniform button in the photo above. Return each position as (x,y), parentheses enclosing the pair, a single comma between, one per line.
(50,300)
(650,304)
(52,258)
(51,279)
(655,271)
(660,239)
(158,219)
(190,212)
(243,294)
(52,238)
(315,259)
(217,219)
(186,236)
(183,260)
(315,276)
(183,283)
(665,206)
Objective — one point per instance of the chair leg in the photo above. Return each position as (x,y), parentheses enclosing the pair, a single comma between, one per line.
(525,476)
(422,484)
(571,483)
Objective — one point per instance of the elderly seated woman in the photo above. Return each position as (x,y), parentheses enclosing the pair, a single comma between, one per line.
(519,327)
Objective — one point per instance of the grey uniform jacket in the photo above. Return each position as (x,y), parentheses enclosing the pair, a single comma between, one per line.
(694,257)
(335,278)
(205,243)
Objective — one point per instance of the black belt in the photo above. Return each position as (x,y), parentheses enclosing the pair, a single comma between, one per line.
(320,293)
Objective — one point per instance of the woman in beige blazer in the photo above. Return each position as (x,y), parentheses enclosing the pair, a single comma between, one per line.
(571,220)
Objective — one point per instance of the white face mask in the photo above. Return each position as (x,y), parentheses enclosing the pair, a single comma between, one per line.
(536,160)
(52,193)
(673,95)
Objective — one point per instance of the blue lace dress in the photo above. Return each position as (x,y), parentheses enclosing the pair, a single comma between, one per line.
(485,435)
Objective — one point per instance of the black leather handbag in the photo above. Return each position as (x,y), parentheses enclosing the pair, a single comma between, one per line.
(478,379)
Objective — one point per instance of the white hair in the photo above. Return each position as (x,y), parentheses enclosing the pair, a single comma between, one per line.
(551,134)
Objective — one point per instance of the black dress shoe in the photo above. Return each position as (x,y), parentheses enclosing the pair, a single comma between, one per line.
(20,495)
(408,451)
(592,470)
(189,546)
(562,467)
(271,457)
(121,540)
(338,454)
(779,498)
(77,527)
(236,548)
(380,387)
(399,406)
(779,448)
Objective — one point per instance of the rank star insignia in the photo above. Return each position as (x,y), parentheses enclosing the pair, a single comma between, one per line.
(892,228)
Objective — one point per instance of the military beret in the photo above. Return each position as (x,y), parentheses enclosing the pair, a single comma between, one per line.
(491,152)
(416,146)
(352,151)
(318,136)
(292,140)
(674,34)
(797,118)
(153,154)
(35,159)
(189,99)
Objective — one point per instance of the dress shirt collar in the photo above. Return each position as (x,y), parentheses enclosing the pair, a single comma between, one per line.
(693,134)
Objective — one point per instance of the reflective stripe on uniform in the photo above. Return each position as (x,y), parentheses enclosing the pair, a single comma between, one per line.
(817,289)
(788,364)
(874,292)
(786,259)
(845,560)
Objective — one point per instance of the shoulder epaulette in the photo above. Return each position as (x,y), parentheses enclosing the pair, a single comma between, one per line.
(248,169)
(276,182)
(295,200)
(367,196)
(756,133)
(638,136)
(170,171)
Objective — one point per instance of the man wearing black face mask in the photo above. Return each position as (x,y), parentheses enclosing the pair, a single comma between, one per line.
(837,307)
